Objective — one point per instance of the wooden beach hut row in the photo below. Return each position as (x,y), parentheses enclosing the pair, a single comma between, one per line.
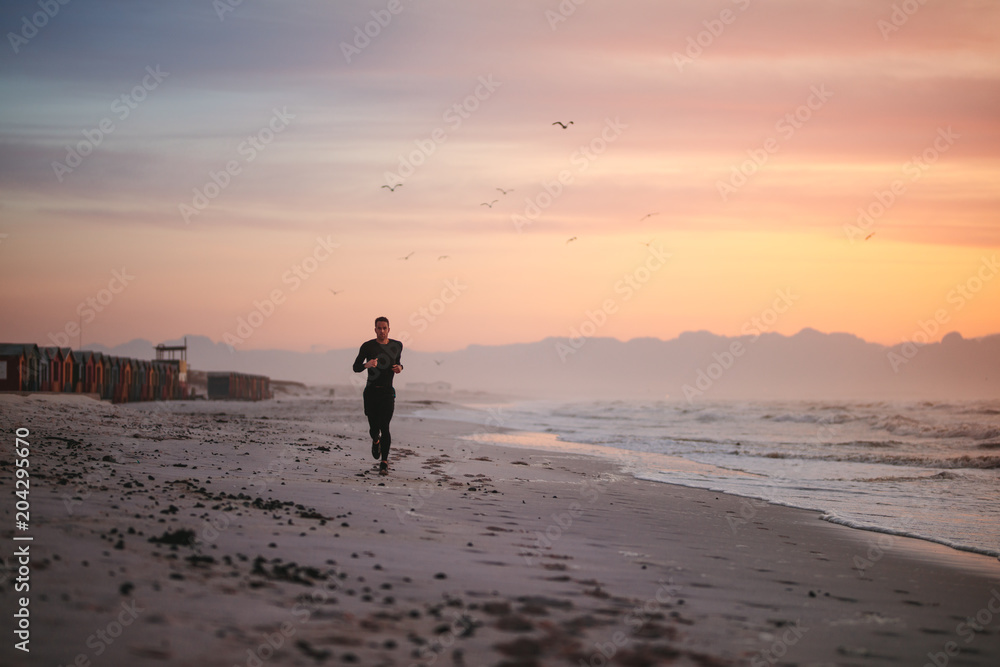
(28,367)
(238,386)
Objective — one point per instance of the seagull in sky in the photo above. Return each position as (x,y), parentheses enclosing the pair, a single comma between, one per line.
(869,236)
(442,257)
(490,204)
(335,291)
(648,243)
(393,187)
(503,192)
(648,215)
(563,125)
(568,241)
(438,361)
(408,256)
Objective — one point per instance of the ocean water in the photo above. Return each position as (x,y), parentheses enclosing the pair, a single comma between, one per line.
(923,469)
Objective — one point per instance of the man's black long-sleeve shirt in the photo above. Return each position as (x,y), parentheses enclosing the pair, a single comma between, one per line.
(388,355)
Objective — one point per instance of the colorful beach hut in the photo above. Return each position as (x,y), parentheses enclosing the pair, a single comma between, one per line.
(19,367)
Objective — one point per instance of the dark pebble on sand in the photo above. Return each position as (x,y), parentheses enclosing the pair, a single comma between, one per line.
(180,537)
(126,588)
(440,575)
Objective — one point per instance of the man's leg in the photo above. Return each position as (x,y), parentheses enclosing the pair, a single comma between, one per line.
(372,412)
(388,406)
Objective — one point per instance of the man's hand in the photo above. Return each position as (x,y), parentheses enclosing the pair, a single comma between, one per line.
(371,363)
(397,368)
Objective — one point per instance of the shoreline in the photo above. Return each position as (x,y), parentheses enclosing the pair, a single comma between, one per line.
(938,550)
(683,471)
(468,553)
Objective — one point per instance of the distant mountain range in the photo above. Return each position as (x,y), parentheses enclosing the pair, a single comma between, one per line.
(695,366)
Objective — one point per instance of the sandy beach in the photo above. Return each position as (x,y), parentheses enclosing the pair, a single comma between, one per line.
(227,533)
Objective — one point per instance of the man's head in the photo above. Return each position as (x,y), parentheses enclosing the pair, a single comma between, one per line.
(382,329)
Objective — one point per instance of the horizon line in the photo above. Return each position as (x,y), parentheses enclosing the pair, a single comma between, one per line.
(153,345)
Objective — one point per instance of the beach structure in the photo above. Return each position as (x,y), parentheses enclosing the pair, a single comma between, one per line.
(140,380)
(112,365)
(175,355)
(85,372)
(75,377)
(49,365)
(27,367)
(63,378)
(44,369)
(96,385)
(51,377)
(19,367)
(238,386)
(122,389)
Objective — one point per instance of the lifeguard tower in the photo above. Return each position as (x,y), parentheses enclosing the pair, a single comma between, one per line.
(177,355)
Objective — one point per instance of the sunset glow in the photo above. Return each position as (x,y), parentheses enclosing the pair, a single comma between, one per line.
(833,152)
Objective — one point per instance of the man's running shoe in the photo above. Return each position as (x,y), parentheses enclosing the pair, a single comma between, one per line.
(376,450)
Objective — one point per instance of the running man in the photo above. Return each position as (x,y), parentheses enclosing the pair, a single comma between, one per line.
(381,356)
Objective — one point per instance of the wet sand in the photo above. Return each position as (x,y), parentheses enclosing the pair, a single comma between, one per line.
(225,533)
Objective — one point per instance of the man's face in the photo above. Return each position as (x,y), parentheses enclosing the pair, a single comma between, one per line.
(382,331)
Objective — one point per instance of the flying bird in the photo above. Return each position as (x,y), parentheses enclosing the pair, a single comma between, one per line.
(648,215)
(563,125)
(442,257)
(393,187)
(648,243)
(568,241)
(408,256)
(503,192)
(490,204)
(869,236)
(438,361)
(335,291)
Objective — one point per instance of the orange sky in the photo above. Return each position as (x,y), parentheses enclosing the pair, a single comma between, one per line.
(700,183)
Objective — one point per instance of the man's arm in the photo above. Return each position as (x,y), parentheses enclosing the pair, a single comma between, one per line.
(398,366)
(359,362)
